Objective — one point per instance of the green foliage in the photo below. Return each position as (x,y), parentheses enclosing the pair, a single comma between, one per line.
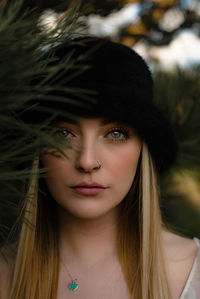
(23,59)
(178,96)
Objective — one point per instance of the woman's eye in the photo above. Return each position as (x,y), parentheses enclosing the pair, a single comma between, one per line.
(64,133)
(118,135)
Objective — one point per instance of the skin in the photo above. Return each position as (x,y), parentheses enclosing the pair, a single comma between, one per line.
(92,140)
(88,224)
(180,254)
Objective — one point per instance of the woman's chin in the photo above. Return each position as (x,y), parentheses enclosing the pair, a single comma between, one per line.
(88,212)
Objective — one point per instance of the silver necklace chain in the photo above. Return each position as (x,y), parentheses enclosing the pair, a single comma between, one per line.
(74,285)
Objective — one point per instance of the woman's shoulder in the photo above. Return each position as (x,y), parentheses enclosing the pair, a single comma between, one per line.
(180,254)
(6,266)
(179,245)
(178,248)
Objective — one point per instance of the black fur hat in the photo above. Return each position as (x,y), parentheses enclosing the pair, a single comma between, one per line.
(124,92)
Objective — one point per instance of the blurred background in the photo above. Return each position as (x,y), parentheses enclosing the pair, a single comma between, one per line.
(167,34)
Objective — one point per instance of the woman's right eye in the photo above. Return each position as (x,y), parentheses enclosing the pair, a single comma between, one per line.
(64,133)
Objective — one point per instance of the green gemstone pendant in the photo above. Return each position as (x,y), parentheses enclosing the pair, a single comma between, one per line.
(73,286)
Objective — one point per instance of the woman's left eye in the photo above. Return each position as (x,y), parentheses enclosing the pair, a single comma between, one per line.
(118,134)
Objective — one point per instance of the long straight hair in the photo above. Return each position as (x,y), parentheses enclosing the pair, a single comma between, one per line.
(36,269)
(140,243)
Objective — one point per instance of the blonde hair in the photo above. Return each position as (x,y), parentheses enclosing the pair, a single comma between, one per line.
(36,269)
(140,244)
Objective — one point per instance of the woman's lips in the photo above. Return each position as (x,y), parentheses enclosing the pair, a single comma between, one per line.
(92,188)
(88,190)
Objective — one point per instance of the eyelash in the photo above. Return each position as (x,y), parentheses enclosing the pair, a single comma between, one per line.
(61,130)
(121,130)
(124,131)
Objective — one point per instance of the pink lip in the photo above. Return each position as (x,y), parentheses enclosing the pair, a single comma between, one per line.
(88,188)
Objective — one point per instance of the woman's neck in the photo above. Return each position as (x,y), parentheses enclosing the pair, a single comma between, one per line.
(87,241)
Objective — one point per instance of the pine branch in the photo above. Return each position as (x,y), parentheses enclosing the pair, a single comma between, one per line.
(23,59)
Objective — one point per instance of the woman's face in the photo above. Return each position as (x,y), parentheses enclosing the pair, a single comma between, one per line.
(100,168)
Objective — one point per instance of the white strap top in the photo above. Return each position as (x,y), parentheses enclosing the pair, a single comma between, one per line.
(192,287)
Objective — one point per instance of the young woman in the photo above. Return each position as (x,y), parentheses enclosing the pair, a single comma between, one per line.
(96,230)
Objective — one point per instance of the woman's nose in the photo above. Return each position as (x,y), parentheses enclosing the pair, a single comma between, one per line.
(87,159)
